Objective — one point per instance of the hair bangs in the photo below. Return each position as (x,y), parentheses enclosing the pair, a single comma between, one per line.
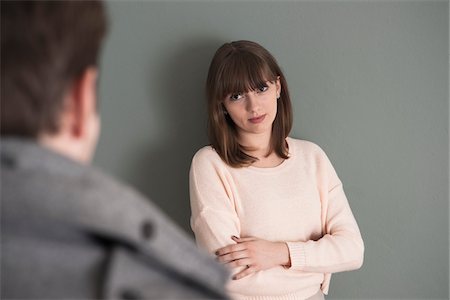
(243,72)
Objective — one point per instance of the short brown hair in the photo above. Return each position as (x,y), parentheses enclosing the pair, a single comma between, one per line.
(242,66)
(45,45)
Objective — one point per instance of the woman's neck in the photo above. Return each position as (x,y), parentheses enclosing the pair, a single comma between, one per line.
(258,145)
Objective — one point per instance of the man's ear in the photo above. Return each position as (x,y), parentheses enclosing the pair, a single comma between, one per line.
(82,102)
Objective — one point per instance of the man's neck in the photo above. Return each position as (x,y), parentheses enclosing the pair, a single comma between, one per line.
(66,146)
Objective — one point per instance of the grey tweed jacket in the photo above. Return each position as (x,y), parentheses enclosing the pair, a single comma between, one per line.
(69,231)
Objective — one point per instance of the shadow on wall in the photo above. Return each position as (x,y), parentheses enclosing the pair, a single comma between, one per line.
(162,172)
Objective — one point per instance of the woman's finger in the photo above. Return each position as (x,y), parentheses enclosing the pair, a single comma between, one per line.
(230,249)
(241,240)
(239,263)
(232,256)
(245,273)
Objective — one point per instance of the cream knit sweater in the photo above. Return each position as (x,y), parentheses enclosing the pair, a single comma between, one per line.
(300,202)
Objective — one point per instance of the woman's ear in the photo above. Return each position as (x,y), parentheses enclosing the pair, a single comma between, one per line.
(278,86)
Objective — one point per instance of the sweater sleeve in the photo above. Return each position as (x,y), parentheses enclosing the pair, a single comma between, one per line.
(213,213)
(341,247)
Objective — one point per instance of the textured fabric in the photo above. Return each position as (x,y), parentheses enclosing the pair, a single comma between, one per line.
(68,231)
(300,202)
(317,296)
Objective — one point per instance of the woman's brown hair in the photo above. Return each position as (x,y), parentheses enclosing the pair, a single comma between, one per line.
(242,66)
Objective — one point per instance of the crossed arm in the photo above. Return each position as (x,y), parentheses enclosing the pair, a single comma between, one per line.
(340,248)
(255,254)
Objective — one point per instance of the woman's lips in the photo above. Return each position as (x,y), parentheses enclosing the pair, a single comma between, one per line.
(257,120)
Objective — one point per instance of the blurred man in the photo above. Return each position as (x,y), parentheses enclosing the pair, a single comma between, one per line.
(69,231)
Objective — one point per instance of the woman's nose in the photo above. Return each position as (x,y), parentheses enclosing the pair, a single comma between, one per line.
(252,102)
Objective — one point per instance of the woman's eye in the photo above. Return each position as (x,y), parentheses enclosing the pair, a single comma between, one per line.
(235,97)
(262,89)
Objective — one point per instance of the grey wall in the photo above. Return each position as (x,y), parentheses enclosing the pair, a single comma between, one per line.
(369,83)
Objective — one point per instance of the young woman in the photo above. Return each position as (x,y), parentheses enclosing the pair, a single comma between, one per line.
(270,207)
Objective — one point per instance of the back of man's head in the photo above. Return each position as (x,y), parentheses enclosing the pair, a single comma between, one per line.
(45,47)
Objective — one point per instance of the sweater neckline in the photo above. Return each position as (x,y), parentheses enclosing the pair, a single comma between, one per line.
(281,166)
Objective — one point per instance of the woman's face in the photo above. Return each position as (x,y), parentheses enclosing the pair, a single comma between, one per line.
(254,112)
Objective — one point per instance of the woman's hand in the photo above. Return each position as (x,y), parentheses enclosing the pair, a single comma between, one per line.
(255,254)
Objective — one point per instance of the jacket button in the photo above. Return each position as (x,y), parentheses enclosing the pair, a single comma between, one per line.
(147,230)
(128,294)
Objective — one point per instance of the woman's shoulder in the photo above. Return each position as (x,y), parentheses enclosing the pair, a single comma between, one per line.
(305,147)
(206,156)
(310,152)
